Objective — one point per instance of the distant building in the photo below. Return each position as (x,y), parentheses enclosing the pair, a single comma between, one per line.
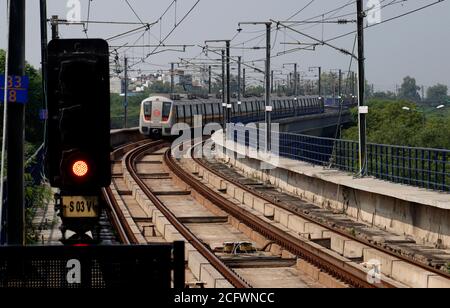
(178,76)
(115,85)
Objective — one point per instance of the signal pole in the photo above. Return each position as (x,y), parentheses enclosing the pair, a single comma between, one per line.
(44,52)
(362,111)
(125,103)
(16,129)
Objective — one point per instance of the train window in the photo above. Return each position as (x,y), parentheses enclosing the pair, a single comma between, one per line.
(187,113)
(167,107)
(208,108)
(247,107)
(180,112)
(148,111)
(216,111)
(258,106)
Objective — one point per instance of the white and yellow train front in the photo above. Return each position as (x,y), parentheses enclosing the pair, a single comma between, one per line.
(156,116)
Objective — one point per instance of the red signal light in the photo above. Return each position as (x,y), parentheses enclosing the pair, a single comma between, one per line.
(80,168)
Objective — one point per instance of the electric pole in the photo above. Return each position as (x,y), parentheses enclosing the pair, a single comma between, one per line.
(54,23)
(125,103)
(226,101)
(209,80)
(243,82)
(271,83)
(320,81)
(172,77)
(228,82)
(295,80)
(268,102)
(239,79)
(340,85)
(224,104)
(291,84)
(361,76)
(16,129)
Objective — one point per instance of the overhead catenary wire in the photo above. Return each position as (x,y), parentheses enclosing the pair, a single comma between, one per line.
(134,12)
(86,25)
(161,43)
(386,20)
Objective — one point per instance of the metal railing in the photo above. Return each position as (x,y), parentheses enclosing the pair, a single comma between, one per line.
(421,167)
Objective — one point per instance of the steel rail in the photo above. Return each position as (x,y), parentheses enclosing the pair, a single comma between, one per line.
(116,216)
(310,219)
(338,268)
(130,159)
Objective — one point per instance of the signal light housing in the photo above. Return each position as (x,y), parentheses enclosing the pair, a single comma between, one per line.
(78,153)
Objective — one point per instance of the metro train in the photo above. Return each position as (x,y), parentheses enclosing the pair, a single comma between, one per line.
(159,114)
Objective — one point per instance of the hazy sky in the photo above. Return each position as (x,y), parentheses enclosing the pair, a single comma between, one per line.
(416,45)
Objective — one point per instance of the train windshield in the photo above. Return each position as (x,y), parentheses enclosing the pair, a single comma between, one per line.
(166,111)
(148,111)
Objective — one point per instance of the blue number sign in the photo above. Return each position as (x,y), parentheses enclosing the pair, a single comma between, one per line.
(17,89)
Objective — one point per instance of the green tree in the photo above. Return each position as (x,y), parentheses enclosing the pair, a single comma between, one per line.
(409,90)
(389,122)
(384,95)
(437,93)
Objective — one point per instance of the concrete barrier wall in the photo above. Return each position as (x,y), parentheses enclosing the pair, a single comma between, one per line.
(123,136)
(423,223)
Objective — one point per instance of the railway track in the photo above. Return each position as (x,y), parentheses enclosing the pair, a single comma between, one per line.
(299,208)
(155,154)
